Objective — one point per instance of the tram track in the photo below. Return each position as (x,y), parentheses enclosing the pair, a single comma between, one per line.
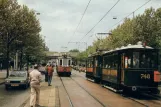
(155,99)
(145,102)
(69,99)
(89,93)
(101,102)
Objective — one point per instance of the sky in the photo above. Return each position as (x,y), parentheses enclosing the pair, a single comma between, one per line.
(59,19)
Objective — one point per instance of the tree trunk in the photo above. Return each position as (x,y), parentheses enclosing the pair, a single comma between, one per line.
(7,60)
(27,62)
(21,59)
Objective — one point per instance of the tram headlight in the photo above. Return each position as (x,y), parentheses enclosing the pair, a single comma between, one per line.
(134,88)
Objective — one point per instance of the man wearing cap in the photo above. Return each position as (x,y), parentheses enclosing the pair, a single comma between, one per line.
(35,79)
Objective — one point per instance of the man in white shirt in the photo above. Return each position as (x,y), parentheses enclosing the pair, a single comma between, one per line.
(35,79)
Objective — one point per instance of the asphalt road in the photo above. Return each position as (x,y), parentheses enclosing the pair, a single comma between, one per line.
(13,97)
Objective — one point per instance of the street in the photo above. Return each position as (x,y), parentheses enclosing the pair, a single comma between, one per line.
(13,97)
(72,90)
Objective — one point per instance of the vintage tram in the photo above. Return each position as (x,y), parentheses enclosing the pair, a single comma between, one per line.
(93,70)
(134,68)
(64,65)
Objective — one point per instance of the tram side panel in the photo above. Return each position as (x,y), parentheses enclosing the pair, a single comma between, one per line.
(141,77)
(64,71)
(110,71)
(119,71)
(89,68)
(97,71)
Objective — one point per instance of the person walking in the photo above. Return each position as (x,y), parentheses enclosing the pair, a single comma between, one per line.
(50,74)
(35,79)
(46,73)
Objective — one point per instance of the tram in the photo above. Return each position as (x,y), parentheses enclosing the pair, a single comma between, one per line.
(131,68)
(64,65)
(93,70)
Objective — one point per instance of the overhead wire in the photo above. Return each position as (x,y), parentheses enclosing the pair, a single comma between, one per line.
(126,16)
(130,14)
(80,20)
(101,19)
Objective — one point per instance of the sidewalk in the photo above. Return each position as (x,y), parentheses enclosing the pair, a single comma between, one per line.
(48,96)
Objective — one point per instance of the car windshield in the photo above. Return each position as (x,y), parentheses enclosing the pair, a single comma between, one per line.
(18,74)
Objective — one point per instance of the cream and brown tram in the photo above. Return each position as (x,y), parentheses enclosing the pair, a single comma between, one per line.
(64,65)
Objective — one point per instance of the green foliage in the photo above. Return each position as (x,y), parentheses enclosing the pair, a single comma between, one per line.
(145,28)
(20,30)
(82,56)
(74,50)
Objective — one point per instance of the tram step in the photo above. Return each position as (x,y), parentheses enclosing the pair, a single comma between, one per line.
(90,79)
(113,89)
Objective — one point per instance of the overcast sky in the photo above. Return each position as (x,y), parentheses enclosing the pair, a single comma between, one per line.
(59,19)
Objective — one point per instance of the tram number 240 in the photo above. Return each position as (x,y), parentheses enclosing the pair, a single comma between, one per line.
(145,76)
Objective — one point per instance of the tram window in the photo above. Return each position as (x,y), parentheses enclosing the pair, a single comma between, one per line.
(89,63)
(96,63)
(148,60)
(107,62)
(69,62)
(128,60)
(136,60)
(60,62)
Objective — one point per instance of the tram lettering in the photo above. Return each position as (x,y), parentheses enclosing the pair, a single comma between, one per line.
(145,76)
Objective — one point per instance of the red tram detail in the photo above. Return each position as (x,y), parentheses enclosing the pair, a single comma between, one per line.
(64,65)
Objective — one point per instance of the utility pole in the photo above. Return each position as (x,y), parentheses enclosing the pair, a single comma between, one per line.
(17,60)
(133,14)
(100,38)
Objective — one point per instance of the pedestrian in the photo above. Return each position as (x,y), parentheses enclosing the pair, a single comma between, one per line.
(46,73)
(35,79)
(50,74)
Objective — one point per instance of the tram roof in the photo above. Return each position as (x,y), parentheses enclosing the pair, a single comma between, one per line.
(129,47)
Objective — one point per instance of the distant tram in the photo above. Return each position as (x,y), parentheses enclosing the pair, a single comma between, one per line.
(131,68)
(64,65)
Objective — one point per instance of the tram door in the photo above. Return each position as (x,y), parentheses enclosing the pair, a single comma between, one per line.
(95,65)
(122,67)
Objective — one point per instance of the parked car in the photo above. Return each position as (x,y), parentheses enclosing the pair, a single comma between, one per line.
(17,79)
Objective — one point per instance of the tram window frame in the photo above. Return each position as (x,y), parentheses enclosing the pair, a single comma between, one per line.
(148,58)
(110,61)
(106,62)
(128,63)
(89,63)
(60,62)
(136,55)
(69,62)
(96,62)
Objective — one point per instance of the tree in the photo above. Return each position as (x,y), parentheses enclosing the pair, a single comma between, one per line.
(145,28)
(20,30)
(74,50)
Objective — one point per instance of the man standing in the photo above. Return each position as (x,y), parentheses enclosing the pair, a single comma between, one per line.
(35,79)
(50,74)
(46,73)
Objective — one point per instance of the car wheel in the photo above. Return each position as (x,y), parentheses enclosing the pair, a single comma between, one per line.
(25,86)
